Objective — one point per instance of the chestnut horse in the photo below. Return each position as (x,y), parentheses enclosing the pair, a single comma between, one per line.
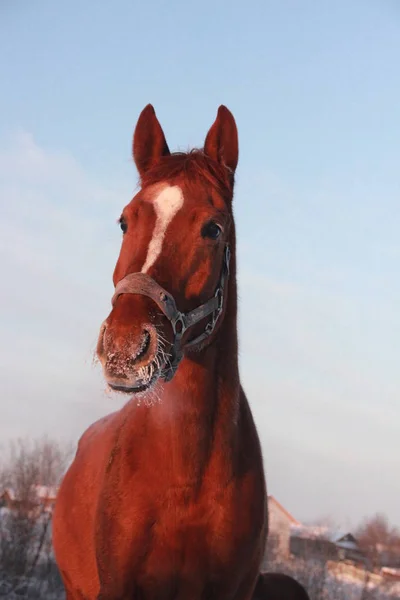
(166,498)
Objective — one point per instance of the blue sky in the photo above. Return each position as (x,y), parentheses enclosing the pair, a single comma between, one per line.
(315,90)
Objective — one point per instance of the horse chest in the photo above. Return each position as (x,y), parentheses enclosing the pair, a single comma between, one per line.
(193,542)
(184,532)
(179,520)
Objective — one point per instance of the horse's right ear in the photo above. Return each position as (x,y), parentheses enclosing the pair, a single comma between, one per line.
(149,143)
(222,140)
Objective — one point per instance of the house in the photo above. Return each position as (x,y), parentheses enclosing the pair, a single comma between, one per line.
(280,525)
(7,498)
(38,496)
(320,543)
(311,543)
(348,548)
(390,574)
(46,495)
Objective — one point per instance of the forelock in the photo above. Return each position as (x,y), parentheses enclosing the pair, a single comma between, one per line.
(195,168)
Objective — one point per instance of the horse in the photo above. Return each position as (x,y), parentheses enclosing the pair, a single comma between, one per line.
(166,497)
(278,586)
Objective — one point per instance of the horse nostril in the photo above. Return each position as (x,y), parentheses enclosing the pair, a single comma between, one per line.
(101,339)
(145,345)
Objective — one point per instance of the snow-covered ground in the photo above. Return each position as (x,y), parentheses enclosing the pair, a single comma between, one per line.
(337,581)
(330,582)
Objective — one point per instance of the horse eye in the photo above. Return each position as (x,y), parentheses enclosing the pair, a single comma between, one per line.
(123,224)
(211,230)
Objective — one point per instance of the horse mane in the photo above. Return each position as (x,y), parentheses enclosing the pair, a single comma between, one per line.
(195,167)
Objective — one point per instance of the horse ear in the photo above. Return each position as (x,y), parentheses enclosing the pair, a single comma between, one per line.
(222,140)
(149,143)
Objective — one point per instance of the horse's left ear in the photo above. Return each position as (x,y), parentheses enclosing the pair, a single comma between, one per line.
(222,140)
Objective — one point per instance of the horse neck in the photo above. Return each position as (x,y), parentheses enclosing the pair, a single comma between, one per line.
(199,408)
(215,368)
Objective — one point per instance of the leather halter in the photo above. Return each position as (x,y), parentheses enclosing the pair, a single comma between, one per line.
(141,283)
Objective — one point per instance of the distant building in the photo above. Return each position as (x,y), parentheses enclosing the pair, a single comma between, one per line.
(280,525)
(348,548)
(7,498)
(321,544)
(38,496)
(390,574)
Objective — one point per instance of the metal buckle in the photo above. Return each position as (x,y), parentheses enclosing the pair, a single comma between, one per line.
(179,325)
(210,326)
(220,297)
(215,315)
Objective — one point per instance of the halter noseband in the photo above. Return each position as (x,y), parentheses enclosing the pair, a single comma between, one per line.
(141,283)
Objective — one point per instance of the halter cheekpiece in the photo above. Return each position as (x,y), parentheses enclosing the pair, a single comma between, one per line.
(141,283)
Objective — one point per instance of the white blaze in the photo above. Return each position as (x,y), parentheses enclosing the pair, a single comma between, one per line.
(166,205)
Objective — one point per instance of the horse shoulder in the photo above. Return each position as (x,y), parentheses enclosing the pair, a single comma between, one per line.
(96,429)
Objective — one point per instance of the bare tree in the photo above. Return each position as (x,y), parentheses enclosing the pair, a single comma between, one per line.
(30,471)
(378,539)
